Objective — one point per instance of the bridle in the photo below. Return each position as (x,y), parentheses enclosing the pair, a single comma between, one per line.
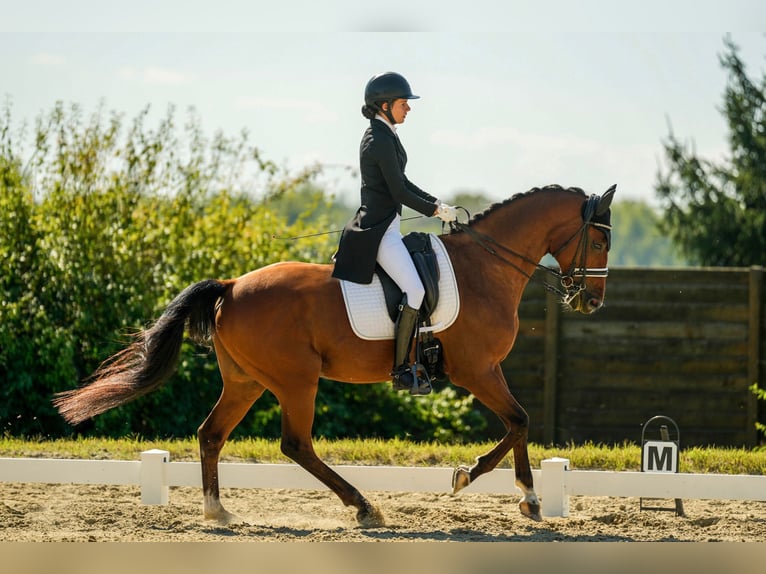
(573,281)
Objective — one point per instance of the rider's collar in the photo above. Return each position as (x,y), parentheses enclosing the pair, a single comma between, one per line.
(384,119)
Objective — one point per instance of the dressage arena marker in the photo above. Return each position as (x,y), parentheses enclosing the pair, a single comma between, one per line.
(154,473)
(661,456)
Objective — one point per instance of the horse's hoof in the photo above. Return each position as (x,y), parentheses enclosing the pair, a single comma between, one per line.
(531,510)
(224,518)
(370,517)
(461,478)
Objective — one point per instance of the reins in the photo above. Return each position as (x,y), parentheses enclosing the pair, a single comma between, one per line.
(569,287)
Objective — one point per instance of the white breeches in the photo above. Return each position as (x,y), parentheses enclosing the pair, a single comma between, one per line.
(395,260)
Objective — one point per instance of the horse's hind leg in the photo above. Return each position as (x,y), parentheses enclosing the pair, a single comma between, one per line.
(212,434)
(297,420)
(239,393)
(492,391)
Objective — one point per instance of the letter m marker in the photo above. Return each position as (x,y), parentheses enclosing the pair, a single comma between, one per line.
(660,456)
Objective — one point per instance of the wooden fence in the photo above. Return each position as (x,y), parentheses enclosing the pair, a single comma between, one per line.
(685,343)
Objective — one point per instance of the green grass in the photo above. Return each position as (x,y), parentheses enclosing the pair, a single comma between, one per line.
(392,452)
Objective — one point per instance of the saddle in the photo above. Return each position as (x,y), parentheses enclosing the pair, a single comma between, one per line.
(428,350)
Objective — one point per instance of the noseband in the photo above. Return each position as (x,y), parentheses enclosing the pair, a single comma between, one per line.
(573,288)
(573,281)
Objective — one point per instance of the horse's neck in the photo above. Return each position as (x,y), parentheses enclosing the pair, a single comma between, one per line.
(522,234)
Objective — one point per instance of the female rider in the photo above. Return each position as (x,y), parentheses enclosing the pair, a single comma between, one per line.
(373,236)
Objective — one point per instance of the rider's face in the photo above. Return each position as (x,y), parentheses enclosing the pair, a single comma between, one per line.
(399,110)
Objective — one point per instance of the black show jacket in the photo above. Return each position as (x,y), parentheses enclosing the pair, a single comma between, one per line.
(385,189)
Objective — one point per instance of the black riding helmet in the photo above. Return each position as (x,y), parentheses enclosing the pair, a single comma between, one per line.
(386,87)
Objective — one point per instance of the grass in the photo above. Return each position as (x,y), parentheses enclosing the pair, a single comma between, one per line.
(393,452)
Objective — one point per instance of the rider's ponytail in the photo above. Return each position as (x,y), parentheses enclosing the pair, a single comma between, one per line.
(369,112)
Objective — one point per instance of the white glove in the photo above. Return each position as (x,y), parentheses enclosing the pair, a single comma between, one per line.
(446,212)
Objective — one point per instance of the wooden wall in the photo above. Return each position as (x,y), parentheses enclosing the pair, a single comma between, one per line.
(684,343)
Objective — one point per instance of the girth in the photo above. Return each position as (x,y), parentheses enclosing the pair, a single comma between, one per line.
(424,258)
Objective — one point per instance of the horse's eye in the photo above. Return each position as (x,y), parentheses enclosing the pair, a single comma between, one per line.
(597,245)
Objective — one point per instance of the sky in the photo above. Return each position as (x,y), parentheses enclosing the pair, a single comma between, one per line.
(514,94)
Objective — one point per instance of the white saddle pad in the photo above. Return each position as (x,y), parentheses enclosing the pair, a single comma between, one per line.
(366,305)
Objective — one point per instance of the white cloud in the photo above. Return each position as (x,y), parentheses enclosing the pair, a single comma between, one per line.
(48,59)
(312,111)
(154,75)
(166,76)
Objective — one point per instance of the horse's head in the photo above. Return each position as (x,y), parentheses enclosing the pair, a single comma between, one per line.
(582,256)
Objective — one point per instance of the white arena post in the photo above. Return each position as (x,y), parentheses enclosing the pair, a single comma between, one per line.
(553,491)
(154,487)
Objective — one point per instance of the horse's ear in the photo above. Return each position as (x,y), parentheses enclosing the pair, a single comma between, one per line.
(606,200)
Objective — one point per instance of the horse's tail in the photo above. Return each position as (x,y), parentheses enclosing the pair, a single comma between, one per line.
(150,359)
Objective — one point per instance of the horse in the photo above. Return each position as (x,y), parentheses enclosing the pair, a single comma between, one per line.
(494,255)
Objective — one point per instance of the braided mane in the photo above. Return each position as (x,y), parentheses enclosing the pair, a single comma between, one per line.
(495,206)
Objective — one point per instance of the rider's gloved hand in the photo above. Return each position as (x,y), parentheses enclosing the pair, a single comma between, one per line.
(446,212)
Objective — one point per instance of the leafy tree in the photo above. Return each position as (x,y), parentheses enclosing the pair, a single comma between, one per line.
(106,222)
(446,415)
(716,213)
(474,201)
(35,348)
(308,202)
(761,395)
(638,240)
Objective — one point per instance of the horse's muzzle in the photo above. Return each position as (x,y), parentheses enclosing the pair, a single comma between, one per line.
(586,303)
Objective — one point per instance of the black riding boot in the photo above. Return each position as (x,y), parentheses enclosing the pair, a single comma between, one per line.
(405,376)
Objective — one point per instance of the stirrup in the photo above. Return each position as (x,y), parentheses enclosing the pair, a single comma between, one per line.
(406,379)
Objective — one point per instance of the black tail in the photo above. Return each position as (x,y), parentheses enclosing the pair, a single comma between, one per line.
(149,360)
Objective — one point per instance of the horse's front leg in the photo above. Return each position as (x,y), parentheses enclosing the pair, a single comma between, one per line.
(297,420)
(530,504)
(492,390)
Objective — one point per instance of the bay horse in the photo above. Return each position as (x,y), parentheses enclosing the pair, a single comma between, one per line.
(309,336)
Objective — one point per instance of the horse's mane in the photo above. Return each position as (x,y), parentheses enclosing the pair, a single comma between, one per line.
(495,206)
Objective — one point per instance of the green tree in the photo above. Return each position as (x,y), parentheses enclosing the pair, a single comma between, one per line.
(474,201)
(106,222)
(99,230)
(716,213)
(638,240)
(36,349)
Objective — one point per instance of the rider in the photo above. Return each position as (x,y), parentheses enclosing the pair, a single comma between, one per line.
(373,235)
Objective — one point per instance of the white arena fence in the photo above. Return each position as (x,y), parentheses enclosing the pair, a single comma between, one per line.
(554,482)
